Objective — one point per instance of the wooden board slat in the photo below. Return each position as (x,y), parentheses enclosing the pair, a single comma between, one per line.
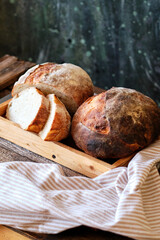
(3,58)
(9,75)
(123,161)
(10,69)
(10,234)
(6,61)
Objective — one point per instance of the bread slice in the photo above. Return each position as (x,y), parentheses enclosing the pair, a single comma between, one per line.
(70,83)
(58,124)
(29,109)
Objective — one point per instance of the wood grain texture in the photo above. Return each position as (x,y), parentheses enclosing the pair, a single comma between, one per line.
(6,61)
(10,234)
(10,69)
(9,76)
(12,152)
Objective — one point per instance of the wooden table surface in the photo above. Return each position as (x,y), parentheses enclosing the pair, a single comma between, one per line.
(10,69)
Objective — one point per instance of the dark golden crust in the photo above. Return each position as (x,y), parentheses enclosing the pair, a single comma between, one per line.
(40,72)
(40,92)
(97,145)
(61,124)
(116,123)
(38,123)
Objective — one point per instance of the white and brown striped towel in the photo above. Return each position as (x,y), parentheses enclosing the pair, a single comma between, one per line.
(40,198)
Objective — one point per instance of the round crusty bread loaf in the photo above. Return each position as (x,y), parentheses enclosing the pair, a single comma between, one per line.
(70,83)
(116,123)
(58,124)
(29,109)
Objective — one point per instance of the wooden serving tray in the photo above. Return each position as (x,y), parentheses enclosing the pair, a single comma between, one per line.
(55,151)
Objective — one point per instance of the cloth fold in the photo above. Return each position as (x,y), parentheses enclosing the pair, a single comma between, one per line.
(126,200)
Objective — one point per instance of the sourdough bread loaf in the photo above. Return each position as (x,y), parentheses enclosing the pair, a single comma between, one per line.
(70,83)
(29,109)
(58,123)
(116,123)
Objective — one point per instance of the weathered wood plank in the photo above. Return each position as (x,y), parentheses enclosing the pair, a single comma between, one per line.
(6,61)
(12,152)
(10,234)
(10,74)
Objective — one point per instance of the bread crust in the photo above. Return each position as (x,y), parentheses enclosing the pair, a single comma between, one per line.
(116,123)
(41,117)
(38,123)
(60,126)
(69,82)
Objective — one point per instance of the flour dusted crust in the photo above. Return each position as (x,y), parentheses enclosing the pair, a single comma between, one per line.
(29,109)
(116,123)
(58,123)
(71,84)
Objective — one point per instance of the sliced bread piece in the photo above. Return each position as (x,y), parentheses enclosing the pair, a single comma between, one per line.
(58,124)
(29,109)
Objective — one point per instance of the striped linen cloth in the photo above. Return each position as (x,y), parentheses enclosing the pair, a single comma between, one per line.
(40,198)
